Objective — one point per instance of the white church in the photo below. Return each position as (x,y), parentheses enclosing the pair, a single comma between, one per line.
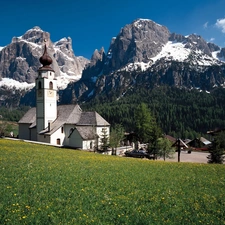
(63,125)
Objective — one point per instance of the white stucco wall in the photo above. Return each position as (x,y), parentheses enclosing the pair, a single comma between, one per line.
(67,128)
(75,140)
(58,135)
(88,144)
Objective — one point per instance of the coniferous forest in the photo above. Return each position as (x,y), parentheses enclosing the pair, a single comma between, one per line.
(178,112)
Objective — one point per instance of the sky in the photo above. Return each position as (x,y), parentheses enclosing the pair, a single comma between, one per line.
(92,24)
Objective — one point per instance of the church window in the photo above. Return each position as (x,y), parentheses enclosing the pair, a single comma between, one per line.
(39,85)
(62,130)
(50,85)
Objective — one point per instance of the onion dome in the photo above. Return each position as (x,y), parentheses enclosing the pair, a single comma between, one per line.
(45,60)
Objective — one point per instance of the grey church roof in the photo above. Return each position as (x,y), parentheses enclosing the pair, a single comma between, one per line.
(86,133)
(29,117)
(92,118)
(68,114)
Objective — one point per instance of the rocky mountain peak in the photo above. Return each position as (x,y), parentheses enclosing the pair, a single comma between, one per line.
(65,45)
(98,55)
(36,35)
(95,67)
(136,42)
(20,59)
(195,43)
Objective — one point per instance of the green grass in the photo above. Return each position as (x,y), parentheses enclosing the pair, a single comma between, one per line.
(46,185)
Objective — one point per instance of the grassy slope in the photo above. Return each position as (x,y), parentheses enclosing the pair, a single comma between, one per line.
(47,185)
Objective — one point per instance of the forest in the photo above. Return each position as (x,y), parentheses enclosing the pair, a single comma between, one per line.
(178,112)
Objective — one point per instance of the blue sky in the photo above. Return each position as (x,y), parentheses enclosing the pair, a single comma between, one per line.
(92,23)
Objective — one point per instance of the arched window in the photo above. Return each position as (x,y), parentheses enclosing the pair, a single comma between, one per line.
(39,85)
(50,85)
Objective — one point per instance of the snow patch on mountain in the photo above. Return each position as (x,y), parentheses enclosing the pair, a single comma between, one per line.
(13,84)
(64,79)
(139,22)
(215,56)
(62,82)
(174,51)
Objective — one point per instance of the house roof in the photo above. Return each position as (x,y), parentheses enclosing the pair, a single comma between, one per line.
(173,139)
(29,117)
(201,139)
(68,114)
(92,118)
(86,133)
(179,143)
(205,141)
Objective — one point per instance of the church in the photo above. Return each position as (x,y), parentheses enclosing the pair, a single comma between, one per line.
(63,125)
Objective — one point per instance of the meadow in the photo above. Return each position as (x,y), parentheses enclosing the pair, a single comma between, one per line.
(47,185)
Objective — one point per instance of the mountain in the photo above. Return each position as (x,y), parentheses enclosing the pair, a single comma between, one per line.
(143,53)
(20,59)
(146,53)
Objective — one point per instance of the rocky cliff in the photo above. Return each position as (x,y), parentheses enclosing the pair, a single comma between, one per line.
(143,53)
(146,53)
(20,59)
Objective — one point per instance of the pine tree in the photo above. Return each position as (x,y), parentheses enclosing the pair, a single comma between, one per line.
(217,149)
(104,140)
(164,148)
(116,136)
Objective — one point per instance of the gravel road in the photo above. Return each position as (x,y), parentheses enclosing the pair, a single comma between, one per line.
(194,157)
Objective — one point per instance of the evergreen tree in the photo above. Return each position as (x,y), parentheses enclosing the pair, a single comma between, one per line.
(104,140)
(116,136)
(143,122)
(217,149)
(164,148)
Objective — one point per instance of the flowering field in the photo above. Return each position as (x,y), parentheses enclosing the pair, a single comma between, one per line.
(47,185)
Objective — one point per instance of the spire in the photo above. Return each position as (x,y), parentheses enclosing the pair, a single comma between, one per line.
(45,60)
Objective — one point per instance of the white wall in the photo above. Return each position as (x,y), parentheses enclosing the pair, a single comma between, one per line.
(75,140)
(58,135)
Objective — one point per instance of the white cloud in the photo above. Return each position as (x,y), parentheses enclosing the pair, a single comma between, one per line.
(212,39)
(220,23)
(205,25)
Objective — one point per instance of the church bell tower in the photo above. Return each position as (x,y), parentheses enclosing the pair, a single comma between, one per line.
(46,93)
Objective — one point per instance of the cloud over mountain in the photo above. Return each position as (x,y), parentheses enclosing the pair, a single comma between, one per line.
(220,23)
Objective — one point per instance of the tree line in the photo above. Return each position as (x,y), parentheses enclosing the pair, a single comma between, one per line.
(178,112)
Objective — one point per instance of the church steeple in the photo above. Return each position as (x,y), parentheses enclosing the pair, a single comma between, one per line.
(46,93)
(46,61)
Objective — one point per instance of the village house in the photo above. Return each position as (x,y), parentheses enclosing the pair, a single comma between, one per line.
(63,125)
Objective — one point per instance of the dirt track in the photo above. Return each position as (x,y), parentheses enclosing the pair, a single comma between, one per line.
(194,157)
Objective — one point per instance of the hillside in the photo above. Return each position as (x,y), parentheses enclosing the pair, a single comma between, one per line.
(143,58)
(179,112)
(46,185)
